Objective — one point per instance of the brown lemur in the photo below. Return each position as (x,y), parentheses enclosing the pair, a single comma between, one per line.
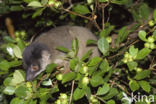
(43,51)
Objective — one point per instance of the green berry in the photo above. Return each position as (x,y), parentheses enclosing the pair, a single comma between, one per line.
(85,80)
(51,2)
(146,45)
(57,4)
(17,39)
(58,101)
(63,96)
(28,84)
(23,33)
(152,45)
(125,60)
(126,55)
(109,39)
(150,39)
(17,33)
(84,70)
(59,77)
(151,23)
(138,69)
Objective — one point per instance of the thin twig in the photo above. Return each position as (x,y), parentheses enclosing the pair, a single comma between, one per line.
(71,95)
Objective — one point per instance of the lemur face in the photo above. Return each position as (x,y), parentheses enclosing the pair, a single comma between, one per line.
(35,59)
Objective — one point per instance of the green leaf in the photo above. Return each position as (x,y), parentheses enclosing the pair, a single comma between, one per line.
(50,67)
(16,8)
(103,45)
(134,85)
(15,63)
(143,74)
(21,91)
(106,31)
(68,77)
(73,62)
(4,65)
(145,86)
(122,35)
(132,65)
(110,102)
(144,11)
(16,100)
(63,49)
(96,80)
(17,51)
(18,77)
(133,51)
(154,35)
(154,15)
(7,81)
(75,45)
(104,66)
(112,93)
(35,4)
(103,1)
(8,39)
(38,12)
(78,93)
(91,42)
(86,55)
(94,61)
(142,35)
(81,9)
(9,90)
(47,83)
(103,90)
(143,53)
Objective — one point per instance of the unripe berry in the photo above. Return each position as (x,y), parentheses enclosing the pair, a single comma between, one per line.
(85,80)
(84,70)
(63,96)
(17,33)
(151,23)
(150,39)
(147,45)
(126,55)
(57,4)
(59,77)
(138,69)
(109,39)
(51,2)
(152,45)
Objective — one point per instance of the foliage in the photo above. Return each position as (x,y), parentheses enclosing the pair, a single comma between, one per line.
(126,66)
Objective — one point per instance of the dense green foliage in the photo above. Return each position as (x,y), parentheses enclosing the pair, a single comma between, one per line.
(126,31)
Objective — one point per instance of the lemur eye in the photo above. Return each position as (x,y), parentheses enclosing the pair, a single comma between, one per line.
(34,67)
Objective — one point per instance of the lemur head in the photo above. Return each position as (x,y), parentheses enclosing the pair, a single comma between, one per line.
(35,59)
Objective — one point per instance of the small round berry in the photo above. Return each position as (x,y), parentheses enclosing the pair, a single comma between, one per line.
(59,76)
(152,45)
(51,2)
(151,23)
(150,39)
(58,101)
(109,39)
(57,4)
(126,55)
(125,60)
(85,80)
(146,45)
(138,69)
(63,96)
(84,70)
(17,33)
(23,33)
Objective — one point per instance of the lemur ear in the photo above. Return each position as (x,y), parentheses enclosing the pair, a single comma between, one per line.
(45,55)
